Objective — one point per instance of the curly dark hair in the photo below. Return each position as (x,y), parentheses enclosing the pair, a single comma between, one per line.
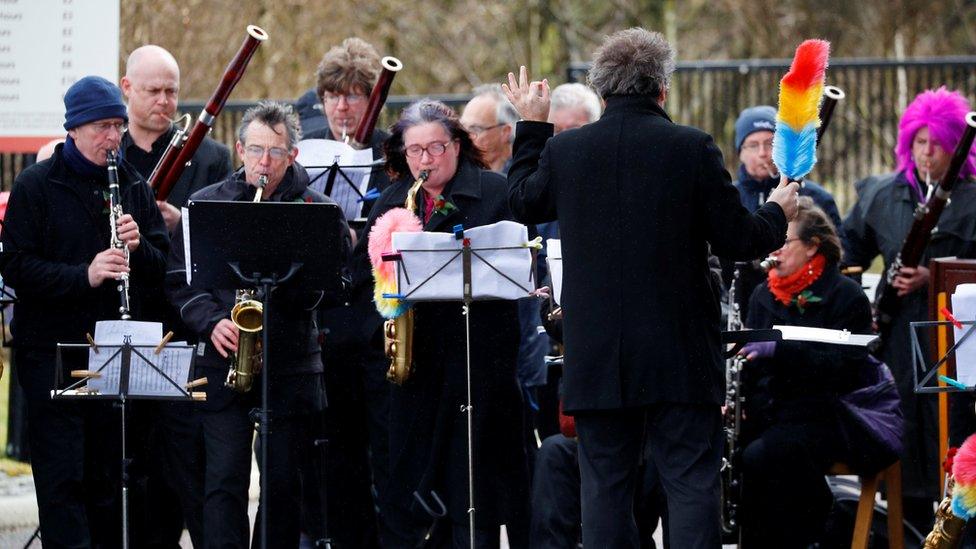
(815,227)
(350,67)
(423,112)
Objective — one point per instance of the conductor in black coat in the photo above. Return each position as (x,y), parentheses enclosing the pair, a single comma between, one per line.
(638,199)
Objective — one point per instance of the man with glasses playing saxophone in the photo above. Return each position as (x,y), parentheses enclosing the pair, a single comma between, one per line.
(56,253)
(266,141)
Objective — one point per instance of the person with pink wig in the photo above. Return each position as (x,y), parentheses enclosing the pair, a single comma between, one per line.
(928,133)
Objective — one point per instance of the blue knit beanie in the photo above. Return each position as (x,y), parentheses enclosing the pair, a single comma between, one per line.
(754,119)
(92,98)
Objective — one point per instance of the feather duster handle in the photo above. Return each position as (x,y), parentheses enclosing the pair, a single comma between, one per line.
(800,92)
(396,220)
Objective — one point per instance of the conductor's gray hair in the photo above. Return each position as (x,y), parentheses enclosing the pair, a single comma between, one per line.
(632,61)
(272,113)
(573,95)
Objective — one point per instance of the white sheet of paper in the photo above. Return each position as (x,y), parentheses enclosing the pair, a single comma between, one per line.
(173,361)
(964,308)
(554,249)
(825,335)
(187,261)
(426,253)
(113,332)
(316,155)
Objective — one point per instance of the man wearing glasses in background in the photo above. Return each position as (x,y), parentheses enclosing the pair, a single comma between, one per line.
(266,142)
(490,120)
(356,422)
(757,177)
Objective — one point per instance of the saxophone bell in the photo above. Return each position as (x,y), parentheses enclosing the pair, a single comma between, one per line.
(398,332)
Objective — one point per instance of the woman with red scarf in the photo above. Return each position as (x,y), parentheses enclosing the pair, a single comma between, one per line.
(793,429)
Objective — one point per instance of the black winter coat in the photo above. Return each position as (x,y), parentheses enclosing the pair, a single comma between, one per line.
(56,222)
(293,331)
(802,380)
(428,444)
(638,199)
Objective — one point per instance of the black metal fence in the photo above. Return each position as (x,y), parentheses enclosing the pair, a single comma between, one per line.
(710,94)
(861,138)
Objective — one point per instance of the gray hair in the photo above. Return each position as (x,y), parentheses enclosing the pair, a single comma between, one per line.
(505,111)
(271,113)
(573,95)
(632,61)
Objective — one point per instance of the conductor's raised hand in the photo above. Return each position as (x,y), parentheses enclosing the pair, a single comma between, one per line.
(531,99)
(786,196)
(224,337)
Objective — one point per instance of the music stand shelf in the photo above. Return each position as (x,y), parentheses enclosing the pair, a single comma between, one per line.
(126,353)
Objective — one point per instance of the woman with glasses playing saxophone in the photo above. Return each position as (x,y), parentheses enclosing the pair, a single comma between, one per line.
(428,441)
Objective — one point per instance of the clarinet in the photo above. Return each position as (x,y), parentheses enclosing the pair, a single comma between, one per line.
(734,403)
(115,213)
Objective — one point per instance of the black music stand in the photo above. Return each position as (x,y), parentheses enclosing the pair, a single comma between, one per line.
(232,245)
(130,357)
(466,254)
(336,172)
(924,385)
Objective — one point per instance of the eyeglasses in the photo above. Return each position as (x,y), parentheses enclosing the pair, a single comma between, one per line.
(756,145)
(351,98)
(436,148)
(256,151)
(788,240)
(478,130)
(104,127)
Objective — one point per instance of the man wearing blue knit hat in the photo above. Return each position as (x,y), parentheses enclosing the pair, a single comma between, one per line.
(56,253)
(757,178)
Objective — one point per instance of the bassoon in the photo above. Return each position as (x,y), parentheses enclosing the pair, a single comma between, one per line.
(377,97)
(926,218)
(169,171)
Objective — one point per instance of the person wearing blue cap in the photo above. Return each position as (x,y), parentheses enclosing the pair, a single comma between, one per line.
(56,253)
(757,177)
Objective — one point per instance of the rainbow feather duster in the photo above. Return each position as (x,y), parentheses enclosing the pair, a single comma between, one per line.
(397,220)
(800,92)
(964,474)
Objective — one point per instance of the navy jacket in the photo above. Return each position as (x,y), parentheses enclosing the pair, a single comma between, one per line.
(754,194)
(56,222)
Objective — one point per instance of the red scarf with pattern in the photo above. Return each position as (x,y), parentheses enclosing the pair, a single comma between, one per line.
(785,288)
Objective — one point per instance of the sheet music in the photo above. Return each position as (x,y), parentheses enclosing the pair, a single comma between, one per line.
(174,359)
(964,308)
(426,253)
(825,335)
(316,155)
(554,248)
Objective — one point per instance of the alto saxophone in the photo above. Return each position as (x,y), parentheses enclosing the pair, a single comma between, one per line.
(115,213)
(398,332)
(248,316)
